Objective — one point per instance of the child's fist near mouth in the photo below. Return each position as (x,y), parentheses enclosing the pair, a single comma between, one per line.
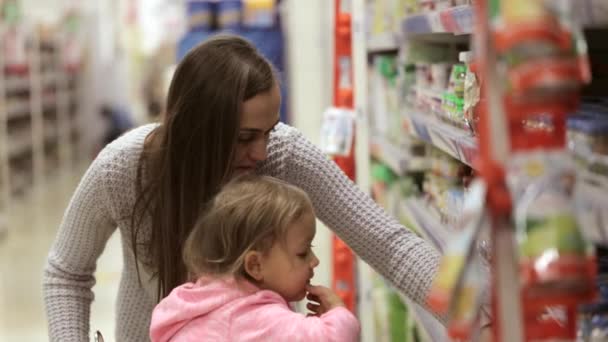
(322,299)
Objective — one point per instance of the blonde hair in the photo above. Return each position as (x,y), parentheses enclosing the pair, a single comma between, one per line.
(250,213)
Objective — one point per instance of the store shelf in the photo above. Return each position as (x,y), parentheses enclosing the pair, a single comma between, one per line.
(387,41)
(427,221)
(429,93)
(454,141)
(49,101)
(457,20)
(431,328)
(17,109)
(50,137)
(461,20)
(13,84)
(19,184)
(49,78)
(395,157)
(19,145)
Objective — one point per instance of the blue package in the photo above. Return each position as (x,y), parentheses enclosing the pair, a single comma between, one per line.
(200,14)
(229,14)
(591,125)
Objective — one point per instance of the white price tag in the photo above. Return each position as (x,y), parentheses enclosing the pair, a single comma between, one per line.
(337,131)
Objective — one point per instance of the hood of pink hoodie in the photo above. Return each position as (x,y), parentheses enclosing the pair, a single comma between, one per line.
(193,300)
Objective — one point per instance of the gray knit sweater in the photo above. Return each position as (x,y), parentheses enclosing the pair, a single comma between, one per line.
(104,199)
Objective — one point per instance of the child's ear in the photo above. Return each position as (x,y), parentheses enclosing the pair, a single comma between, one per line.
(253,265)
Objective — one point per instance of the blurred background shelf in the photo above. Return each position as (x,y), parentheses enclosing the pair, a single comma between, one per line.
(457,20)
(452,140)
(383,42)
(427,222)
(396,157)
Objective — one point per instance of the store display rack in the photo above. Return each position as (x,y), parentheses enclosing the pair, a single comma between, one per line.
(398,158)
(446,26)
(39,119)
(452,140)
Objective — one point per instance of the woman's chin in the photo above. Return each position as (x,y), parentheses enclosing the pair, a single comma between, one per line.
(240,171)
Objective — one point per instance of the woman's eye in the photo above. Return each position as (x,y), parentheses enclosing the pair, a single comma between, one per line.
(246,139)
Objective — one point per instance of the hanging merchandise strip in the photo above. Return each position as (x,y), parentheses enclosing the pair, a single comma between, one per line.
(343,280)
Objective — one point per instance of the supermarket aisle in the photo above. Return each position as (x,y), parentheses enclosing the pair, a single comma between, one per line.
(33,225)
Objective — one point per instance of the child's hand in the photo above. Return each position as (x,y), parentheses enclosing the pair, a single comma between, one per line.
(321,300)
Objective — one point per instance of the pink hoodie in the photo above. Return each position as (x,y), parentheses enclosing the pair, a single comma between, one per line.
(222,310)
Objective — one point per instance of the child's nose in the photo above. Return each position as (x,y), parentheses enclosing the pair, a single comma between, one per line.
(315,261)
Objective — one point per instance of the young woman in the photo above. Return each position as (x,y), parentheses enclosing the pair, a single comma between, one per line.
(249,256)
(221,121)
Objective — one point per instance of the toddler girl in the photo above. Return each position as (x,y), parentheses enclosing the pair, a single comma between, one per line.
(249,256)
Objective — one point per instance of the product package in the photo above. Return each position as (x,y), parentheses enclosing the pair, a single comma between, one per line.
(337,131)
(461,283)
(556,262)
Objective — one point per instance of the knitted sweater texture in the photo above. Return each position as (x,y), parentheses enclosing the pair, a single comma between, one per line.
(104,199)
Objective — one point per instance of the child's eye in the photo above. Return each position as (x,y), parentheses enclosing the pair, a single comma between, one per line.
(305,254)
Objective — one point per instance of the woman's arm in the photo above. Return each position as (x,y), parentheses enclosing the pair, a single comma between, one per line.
(68,275)
(406,260)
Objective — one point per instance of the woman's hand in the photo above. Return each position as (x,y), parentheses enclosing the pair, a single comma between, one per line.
(321,300)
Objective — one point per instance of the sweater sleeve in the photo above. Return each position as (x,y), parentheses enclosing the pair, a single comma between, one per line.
(406,260)
(276,322)
(68,276)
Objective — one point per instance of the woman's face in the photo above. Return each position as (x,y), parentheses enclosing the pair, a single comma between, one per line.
(260,115)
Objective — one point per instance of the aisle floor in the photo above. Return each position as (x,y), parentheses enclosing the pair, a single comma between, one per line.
(32,224)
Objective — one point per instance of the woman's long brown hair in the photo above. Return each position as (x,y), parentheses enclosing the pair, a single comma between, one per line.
(188,158)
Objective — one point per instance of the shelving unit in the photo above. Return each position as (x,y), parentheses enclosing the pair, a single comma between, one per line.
(39,115)
(453,141)
(398,158)
(427,222)
(452,27)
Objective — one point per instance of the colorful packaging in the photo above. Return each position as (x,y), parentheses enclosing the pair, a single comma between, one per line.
(458,268)
(229,14)
(553,253)
(259,13)
(472,91)
(542,48)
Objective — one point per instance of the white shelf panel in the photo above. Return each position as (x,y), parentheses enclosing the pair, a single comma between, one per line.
(395,157)
(387,41)
(454,141)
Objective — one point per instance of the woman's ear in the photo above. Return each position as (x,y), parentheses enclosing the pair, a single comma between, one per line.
(253,265)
